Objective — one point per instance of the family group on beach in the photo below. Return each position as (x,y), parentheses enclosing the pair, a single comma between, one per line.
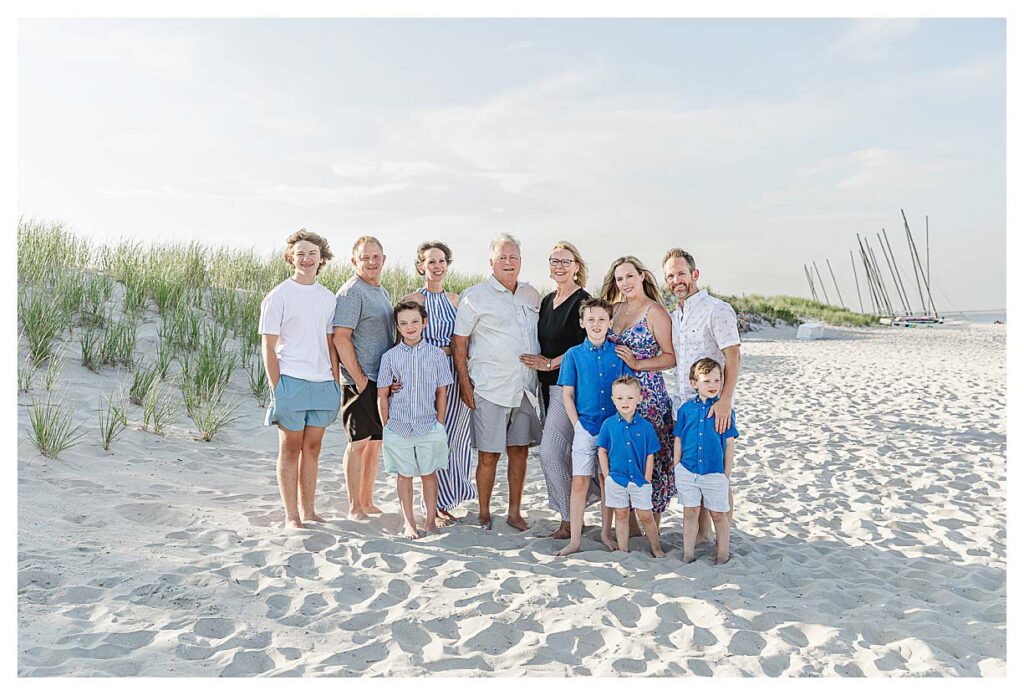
(425,381)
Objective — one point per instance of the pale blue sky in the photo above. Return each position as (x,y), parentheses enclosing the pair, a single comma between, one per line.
(759,145)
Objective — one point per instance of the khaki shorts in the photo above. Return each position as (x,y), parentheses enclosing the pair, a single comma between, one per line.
(494,428)
(584,451)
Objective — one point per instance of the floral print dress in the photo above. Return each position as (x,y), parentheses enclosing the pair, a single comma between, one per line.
(655,407)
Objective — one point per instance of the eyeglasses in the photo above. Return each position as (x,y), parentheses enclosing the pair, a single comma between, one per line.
(564,262)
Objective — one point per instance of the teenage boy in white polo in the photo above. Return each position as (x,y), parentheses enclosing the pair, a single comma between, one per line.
(297,322)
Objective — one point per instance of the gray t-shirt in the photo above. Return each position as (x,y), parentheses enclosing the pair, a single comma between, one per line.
(367,311)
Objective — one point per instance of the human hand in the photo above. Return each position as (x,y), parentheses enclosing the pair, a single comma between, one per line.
(361,382)
(538,362)
(722,412)
(466,394)
(626,355)
(396,386)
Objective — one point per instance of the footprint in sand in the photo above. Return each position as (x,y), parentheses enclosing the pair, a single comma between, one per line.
(410,636)
(248,663)
(277,606)
(462,580)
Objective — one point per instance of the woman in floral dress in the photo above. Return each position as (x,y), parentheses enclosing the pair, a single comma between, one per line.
(642,333)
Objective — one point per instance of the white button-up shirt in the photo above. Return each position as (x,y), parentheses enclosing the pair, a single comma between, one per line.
(702,326)
(500,326)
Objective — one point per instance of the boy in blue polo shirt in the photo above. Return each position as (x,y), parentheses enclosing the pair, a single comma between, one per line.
(586,376)
(626,446)
(703,460)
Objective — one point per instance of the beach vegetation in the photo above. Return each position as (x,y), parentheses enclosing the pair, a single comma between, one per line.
(113,417)
(26,373)
(209,414)
(53,369)
(51,428)
(142,381)
(157,408)
(259,384)
(118,346)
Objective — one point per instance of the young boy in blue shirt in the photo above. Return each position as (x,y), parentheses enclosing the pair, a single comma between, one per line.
(703,460)
(586,376)
(626,446)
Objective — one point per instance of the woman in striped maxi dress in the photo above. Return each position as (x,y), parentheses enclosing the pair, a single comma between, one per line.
(455,484)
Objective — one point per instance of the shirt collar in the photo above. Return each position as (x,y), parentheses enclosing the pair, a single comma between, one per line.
(417,346)
(624,420)
(493,282)
(694,299)
(595,348)
(709,402)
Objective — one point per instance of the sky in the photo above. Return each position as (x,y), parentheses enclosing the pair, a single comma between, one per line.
(757,145)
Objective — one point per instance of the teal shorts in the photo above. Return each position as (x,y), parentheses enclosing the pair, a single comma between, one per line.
(296,404)
(414,456)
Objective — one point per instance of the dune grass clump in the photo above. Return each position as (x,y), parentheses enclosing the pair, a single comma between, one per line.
(157,408)
(118,346)
(184,328)
(92,348)
(51,428)
(142,381)
(259,384)
(53,370)
(113,418)
(42,321)
(791,310)
(164,351)
(26,373)
(208,370)
(209,414)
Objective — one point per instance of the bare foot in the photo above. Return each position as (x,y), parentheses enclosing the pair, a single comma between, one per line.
(313,516)
(485,522)
(720,560)
(562,533)
(445,518)
(371,508)
(568,550)
(687,560)
(410,532)
(293,523)
(609,543)
(517,522)
(432,528)
(357,515)
(657,553)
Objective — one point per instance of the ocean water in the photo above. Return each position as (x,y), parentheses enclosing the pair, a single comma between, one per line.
(977,316)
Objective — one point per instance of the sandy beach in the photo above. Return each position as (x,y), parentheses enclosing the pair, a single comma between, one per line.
(869,539)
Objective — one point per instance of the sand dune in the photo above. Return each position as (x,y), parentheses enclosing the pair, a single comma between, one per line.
(870,539)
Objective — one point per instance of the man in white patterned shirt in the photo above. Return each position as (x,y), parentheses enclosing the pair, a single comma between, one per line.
(702,326)
(497,324)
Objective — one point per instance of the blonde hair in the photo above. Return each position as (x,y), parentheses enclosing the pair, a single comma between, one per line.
(581,272)
(364,240)
(610,292)
(313,238)
(503,238)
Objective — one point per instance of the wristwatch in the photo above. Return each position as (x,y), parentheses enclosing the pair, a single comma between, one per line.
(549,365)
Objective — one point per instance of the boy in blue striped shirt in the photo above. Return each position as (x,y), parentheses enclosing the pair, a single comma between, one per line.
(415,443)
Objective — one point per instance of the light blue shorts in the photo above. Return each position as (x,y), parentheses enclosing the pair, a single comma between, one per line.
(296,403)
(414,457)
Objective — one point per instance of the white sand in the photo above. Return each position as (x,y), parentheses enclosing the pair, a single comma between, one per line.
(869,539)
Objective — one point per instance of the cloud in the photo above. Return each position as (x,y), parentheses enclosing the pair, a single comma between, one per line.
(870,40)
(126,44)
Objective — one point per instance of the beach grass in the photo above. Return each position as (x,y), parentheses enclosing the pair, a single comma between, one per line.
(51,428)
(157,408)
(113,418)
(795,310)
(53,369)
(142,381)
(26,373)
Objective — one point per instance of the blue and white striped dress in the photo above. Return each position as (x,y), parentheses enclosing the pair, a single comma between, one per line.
(455,484)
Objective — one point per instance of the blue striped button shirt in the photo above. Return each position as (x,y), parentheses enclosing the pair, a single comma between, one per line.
(421,369)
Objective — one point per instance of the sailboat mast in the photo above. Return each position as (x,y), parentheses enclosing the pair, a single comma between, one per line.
(914,260)
(896,266)
(807,276)
(878,277)
(822,284)
(856,283)
(838,293)
(867,272)
(893,274)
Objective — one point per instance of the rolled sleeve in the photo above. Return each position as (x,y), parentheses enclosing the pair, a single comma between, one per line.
(723,326)
(653,445)
(347,310)
(271,315)
(567,370)
(732,431)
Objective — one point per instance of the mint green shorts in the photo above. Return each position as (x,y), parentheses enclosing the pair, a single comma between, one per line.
(414,457)
(296,403)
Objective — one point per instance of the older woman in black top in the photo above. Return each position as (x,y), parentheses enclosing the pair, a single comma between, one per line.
(558,330)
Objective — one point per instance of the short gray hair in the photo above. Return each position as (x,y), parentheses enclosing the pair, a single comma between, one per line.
(503,239)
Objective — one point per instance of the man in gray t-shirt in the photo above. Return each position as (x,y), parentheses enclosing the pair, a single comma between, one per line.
(364,329)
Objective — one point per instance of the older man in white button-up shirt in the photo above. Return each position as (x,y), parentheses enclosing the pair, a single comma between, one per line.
(495,325)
